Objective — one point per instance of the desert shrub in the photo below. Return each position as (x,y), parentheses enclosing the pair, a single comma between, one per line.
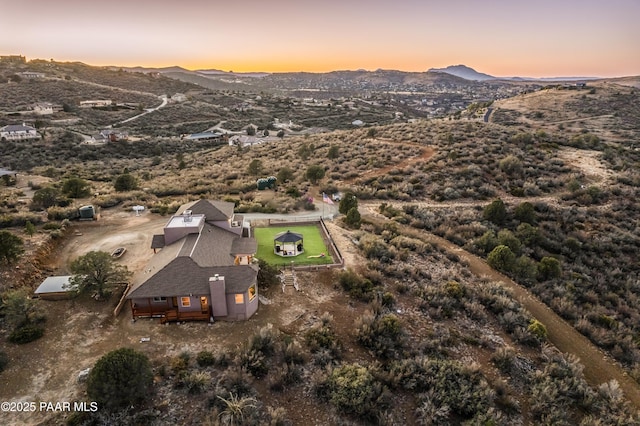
(504,359)
(253,357)
(264,340)
(60,213)
(205,359)
(506,238)
(487,242)
(75,187)
(525,212)
(254,363)
(292,353)
(323,342)
(51,226)
(511,165)
(495,212)
(353,219)
(268,275)
(549,268)
(501,258)
(197,382)
(537,329)
(234,381)
(429,413)
(125,182)
(382,334)
(558,388)
(120,378)
(353,389)
(11,247)
(449,383)
(376,248)
(26,333)
(357,286)
(284,377)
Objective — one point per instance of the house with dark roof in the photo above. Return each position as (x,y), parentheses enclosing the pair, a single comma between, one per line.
(202,268)
(18,132)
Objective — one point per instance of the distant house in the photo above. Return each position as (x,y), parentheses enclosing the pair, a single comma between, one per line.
(179,97)
(202,269)
(110,135)
(18,132)
(208,136)
(245,140)
(44,108)
(31,74)
(17,59)
(95,103)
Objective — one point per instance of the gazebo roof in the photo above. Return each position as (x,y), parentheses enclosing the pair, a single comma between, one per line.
(288,237)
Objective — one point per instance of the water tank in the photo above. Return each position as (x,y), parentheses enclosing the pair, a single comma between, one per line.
(87,212)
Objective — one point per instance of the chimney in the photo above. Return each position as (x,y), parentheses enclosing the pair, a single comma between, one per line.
(217,289)
(187,215)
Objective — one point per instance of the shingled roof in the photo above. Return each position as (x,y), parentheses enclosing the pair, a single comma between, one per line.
(214,211)
(184,266)
(172,280)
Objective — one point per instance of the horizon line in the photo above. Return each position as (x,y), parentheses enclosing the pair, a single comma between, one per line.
(363,69)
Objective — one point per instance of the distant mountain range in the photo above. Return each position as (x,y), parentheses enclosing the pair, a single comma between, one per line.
(460,71)
(463,71)
(175,69)
(468,73)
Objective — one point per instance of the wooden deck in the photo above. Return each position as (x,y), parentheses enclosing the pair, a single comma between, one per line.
(170,315)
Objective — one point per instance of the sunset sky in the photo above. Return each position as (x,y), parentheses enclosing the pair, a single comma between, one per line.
(536,38)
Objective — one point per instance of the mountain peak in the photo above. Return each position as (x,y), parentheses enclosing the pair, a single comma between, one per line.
(463,71)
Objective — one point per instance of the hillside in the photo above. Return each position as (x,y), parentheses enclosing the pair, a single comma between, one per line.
(493,278)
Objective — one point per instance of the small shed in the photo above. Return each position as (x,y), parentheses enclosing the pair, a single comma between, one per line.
(288,244)
(55,288)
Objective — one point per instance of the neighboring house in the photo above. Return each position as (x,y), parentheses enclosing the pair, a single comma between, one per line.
(44,108)
(179,97)
(18,132)
(203,269)
(208,136)
(110,135)
(242,140)
(31,74)
(17,59)
(95,103)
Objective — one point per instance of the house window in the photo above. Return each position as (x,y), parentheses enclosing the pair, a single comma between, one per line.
(252,293)
(239,299)
(159,299)
(185,302)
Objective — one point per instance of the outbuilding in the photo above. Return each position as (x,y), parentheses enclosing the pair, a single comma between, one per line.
(56,288)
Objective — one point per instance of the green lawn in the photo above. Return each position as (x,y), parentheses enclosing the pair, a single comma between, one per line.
(313,245)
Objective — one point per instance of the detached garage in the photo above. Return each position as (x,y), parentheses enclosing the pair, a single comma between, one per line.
(55,288)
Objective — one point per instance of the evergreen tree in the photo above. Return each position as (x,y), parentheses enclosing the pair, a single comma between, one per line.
(119,379)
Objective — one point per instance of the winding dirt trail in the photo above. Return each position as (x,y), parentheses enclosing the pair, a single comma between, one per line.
(598,367)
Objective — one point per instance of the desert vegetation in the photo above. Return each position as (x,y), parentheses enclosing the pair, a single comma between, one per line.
(418,338)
